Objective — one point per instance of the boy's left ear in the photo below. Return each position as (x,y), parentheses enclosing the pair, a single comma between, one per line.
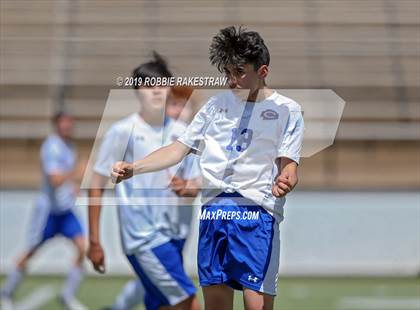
(263,71)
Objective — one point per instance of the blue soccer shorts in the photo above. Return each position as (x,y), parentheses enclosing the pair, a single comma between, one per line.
(45,225)
(238,245)
(162,274)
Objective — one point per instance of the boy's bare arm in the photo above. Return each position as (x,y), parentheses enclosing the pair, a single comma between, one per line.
(162,158)
(95,252)
(287,177)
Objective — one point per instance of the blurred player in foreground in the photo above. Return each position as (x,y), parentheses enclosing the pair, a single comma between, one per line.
(250,148)
(133,292)
(53,214)
(148,216)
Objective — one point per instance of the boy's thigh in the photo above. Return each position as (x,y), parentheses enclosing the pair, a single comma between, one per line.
(218,297)
(257,300)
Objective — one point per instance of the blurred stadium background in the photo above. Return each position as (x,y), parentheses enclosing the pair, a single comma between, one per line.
(351,237)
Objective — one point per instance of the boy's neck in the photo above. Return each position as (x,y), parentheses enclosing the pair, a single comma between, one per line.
(151,119)
(66,139)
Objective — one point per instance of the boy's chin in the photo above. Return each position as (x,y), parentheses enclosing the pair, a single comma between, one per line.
(155,105)
(240,93)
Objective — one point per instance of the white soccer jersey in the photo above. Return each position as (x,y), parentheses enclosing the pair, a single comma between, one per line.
(147,214)
(239,142)
(57,157)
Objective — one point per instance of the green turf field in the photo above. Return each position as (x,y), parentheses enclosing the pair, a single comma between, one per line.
(294,293)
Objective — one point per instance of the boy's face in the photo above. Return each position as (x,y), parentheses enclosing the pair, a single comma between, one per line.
(175,106)
(246,78)
(64,125)
(153,98)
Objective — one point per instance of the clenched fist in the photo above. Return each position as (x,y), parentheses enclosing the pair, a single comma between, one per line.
(121,170)
(284,184)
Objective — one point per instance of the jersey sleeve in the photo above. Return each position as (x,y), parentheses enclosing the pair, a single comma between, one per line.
(193,136)
(291,143)
(110,151)
(51,158)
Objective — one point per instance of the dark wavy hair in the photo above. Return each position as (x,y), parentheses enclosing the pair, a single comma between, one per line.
(157,67)
(237,47)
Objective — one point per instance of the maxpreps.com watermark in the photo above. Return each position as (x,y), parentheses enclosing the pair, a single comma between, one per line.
(207,215)
(192,81)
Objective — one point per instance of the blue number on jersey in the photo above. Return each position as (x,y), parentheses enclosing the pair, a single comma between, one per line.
(243,140)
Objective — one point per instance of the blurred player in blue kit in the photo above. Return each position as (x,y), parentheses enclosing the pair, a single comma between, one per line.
(53,213)
(249,139)
(151,234)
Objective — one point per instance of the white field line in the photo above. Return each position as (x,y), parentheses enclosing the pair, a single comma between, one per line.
(37,298)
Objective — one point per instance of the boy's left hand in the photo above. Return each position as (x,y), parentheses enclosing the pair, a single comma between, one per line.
(283,184)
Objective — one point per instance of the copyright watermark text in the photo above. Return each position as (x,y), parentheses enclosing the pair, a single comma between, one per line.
(192,81)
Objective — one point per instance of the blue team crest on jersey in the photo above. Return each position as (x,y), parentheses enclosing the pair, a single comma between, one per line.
(269,114)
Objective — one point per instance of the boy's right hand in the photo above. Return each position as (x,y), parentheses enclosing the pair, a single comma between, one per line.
(121,170)
(97,256)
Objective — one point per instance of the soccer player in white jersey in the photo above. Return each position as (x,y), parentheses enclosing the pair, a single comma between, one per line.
(250,148)
(53,213)
(133,292)
(149,226)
